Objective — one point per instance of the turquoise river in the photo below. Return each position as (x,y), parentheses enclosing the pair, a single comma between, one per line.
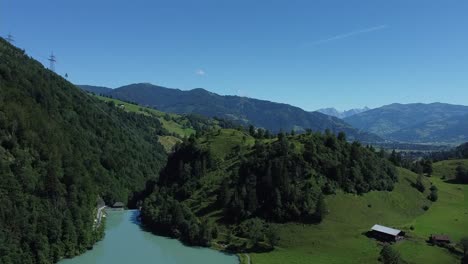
(126,243)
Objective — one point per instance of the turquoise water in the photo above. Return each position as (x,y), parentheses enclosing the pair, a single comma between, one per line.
(126,243)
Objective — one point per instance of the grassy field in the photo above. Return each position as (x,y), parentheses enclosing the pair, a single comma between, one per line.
(174,125)
(449,215)
(168,142)
(222,142)
(340,239)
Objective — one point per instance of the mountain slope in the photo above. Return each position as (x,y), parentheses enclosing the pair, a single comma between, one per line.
(99,90)
(176,126)
(454,129)
(343,114)
(60,149)
(417,122)
(265,114)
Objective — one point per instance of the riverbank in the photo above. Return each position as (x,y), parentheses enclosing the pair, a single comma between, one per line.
(126,242)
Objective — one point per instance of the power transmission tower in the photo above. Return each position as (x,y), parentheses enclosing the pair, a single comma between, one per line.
(10,38)
(52,61)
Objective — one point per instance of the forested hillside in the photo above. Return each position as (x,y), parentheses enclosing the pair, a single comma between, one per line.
(59,150)
(260,113)
(177,126)
(244,176)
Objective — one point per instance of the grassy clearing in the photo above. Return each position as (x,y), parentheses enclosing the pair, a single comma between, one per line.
(340,239)
(447,169)
(177,124)
(223,142)
(168,142)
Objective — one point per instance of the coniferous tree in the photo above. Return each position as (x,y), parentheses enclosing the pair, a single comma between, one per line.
(320,209)
(272,236)
(419,184)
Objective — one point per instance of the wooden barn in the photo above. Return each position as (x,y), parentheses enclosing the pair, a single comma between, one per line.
(386,234)
(440,239)
(118,206)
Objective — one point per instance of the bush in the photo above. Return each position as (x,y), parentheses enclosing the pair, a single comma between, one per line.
(462,174)
(433,196)
(389,255)
(419,184)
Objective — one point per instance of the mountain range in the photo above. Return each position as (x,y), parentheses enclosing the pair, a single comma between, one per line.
(342,114)
(410,123)
(416,123)
(260,113)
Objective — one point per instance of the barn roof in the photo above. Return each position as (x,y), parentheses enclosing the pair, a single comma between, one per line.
(440,237)
(386,230)
(118,204)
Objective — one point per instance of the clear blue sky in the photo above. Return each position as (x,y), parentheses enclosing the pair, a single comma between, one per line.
(311,54)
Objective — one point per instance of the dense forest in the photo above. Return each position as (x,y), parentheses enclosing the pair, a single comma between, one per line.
(275,179)
(460,152)
(60,149)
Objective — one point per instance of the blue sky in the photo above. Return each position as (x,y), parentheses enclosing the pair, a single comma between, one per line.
(311,54)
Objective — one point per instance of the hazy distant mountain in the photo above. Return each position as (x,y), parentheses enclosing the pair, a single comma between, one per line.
(451,129)
(415,122)
(342,114)
(96,89)
(265,114)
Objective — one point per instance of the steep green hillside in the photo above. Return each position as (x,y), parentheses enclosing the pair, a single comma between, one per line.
(264,114)
(449,215)
(228,177)
(435,122)
(59,150)
(177,126)
(220,181)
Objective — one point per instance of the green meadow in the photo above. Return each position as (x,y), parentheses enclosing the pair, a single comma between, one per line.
(177,124)
(340,238)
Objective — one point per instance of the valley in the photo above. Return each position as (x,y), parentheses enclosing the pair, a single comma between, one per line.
(246,171)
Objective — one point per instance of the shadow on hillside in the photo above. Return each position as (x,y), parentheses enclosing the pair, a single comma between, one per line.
(455,181)
(243,248)
(207,209)
(413,184)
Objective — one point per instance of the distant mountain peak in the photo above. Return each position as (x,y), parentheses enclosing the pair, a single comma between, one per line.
(331,111)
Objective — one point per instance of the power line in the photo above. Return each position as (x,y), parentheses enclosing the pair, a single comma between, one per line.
(52,60)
